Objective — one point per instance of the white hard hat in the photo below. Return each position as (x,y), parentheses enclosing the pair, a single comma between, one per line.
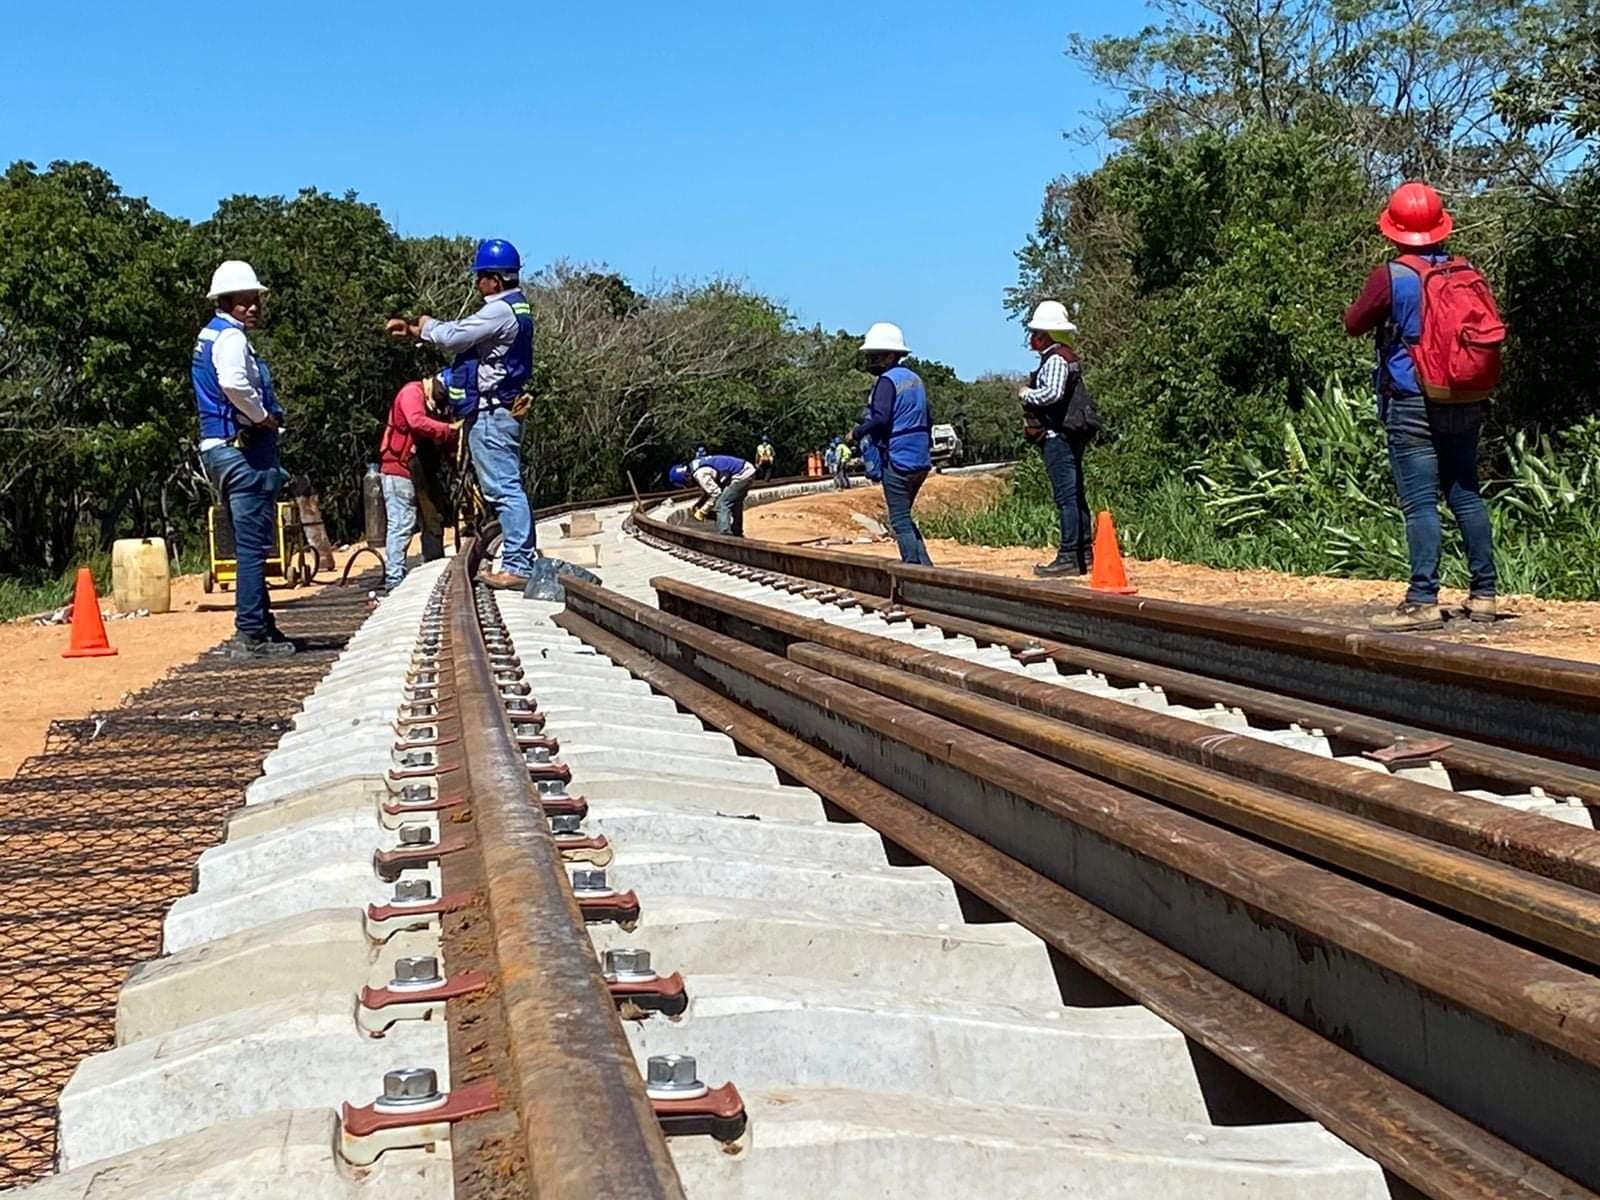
(233,276)
(1051,317)
(884,336)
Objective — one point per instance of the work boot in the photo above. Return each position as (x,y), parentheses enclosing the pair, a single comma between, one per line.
(503,581)
(1062,567)
(241,647)
(1480,608)
(1410,618)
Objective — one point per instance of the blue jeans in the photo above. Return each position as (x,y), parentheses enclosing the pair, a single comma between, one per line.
(495,439)
(1063,463)
(247,481)
(900,490)
(730,507)
(1445,460)
(400,509)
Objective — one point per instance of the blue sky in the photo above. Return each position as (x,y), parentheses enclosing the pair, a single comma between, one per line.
(859,162)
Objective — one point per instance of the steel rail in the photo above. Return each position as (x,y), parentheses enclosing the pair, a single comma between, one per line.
(1501,1035)
(1126,744)
(1552,704)
(583,1122)
(1416,1138)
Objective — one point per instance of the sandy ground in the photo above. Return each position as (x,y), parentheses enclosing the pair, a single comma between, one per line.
(38,686)
(1564,629)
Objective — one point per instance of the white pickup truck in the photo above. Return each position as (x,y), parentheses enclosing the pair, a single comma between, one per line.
(946,446)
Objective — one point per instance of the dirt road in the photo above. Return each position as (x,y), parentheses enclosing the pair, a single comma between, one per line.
(1565,629)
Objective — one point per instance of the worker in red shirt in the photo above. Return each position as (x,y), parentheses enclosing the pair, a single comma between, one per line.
(411,461)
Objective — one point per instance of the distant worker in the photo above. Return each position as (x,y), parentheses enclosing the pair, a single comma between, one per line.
(239,424)
(830,458)
(1059,417)
(411,461)
(841,465)
(895,435)
(1438,339)
(724,478)
(766,457)
(493,363)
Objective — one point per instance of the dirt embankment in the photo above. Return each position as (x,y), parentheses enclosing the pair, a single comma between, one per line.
(38,686)
(1565,629)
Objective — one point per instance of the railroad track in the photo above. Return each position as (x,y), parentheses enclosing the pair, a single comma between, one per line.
(945,882)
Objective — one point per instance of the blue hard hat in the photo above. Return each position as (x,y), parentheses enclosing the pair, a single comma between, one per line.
(678,476)
(497,255)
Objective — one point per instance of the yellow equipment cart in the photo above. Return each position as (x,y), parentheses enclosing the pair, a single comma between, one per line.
(294,563)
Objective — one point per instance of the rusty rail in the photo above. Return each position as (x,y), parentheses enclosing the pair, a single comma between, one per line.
(1547,705)
(1502,1036)
(1194,763)
(549,1032)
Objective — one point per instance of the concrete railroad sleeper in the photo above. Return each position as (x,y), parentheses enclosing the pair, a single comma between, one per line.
(1544,705)
(1458,1021)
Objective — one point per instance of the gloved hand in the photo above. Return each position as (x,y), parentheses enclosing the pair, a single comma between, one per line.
(702,512)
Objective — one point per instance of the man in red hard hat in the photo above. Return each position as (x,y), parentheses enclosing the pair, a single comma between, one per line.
(1434,324)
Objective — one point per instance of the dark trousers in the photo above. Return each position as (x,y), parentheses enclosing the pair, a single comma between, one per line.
(247,481)
(1063,463)
(730,507)
(900,490)
(427,472)
(1444,459)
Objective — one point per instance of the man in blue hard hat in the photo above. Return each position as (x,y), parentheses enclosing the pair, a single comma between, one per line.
(489,376)
(724,478)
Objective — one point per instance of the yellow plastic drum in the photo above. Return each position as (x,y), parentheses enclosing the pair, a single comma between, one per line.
(141,576)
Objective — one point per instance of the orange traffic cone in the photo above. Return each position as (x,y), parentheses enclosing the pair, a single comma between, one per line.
(88,638)
(1108,574)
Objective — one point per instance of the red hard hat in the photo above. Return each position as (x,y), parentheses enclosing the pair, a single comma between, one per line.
(1415,216)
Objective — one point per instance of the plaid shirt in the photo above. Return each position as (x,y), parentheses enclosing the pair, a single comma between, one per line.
(1055,374)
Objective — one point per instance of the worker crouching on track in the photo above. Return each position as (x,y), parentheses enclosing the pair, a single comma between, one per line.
(239,424)
(493,364)
(896,435)
(411,461)
(1438,340)
(1060,418)
(724,478)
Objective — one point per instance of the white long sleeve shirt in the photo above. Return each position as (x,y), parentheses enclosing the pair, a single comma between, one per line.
(238,375)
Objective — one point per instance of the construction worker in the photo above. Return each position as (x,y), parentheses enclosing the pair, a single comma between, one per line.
(724,478)
(766,457)
(1432,424)
(1046,402)
(830,458)
(493,363)
(896,435)
(240,419)
(841,464)
(410,460)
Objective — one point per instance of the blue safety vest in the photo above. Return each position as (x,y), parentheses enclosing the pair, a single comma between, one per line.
(911,434)
(466,397)
(725,465)
(1397,371)
(218,417)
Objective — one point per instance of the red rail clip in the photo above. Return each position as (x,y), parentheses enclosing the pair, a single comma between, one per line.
(719,1114)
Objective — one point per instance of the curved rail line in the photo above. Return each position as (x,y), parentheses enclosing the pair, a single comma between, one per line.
(1405,961)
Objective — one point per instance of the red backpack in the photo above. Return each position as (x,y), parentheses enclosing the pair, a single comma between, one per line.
(1458,354)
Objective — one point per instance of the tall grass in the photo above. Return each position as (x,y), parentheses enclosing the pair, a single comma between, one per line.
(1323,503)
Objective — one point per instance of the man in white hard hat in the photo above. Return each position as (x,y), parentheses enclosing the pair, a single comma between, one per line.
(896,435)
(239,423)
(1059,418)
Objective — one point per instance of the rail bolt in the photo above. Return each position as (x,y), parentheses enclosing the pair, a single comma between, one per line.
(628,966)
(518,704)
(536,754)
(673,1077)
(566,825)
(415,973)
(416,835)
(416,793)
(591,882)
(554,788)
(412,891)
(409,1087)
